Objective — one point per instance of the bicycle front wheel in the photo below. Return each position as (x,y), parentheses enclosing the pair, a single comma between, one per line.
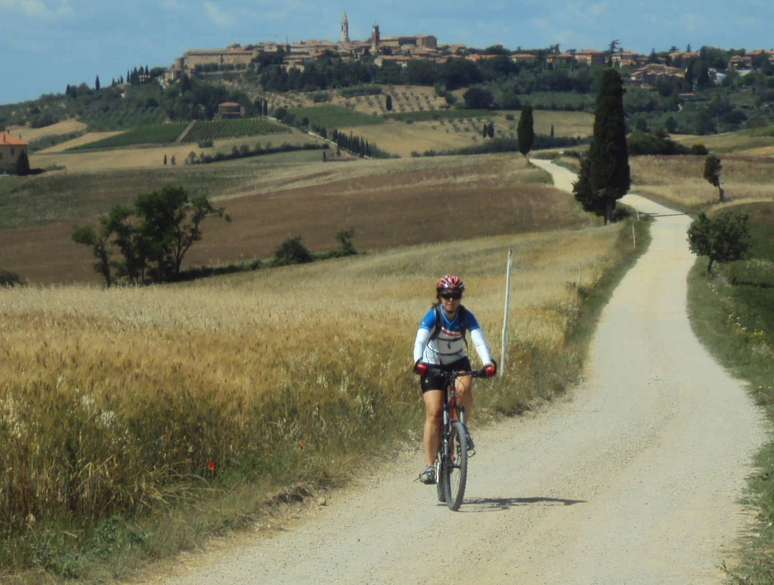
(455,469)
(440,477)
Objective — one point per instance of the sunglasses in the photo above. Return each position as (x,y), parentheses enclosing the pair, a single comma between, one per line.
(451,296)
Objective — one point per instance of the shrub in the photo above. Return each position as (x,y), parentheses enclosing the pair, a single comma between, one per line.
(478,98)
(10,278)
(292,251)
(346,246)
(646,143)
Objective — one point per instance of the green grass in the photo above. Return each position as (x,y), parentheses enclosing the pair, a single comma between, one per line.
(440,115)
(153,134)
(232,128)
(335,117)
(736,322)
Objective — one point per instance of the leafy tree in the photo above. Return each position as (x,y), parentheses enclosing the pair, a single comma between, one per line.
(712,170)
(152,237)
(670,125)
(641,124)
(170,223)
(478,98)
(23,164)
(526,130)
(609,176)
(724,239)
(98,241)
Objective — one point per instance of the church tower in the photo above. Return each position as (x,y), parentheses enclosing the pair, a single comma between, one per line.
(345,29)
(375,39)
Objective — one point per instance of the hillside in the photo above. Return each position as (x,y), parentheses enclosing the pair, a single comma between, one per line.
(387,203)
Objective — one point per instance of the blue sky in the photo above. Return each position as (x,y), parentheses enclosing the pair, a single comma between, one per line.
(45,44)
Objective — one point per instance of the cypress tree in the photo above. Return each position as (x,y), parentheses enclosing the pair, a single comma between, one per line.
(96,84)
(609,174)
(23,164)
(526,130)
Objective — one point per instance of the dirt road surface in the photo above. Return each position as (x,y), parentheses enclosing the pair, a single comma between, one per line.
(634,479)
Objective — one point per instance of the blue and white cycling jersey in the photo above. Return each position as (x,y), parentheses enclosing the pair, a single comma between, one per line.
(449,345)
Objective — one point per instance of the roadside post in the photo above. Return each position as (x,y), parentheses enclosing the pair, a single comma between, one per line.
(506,317)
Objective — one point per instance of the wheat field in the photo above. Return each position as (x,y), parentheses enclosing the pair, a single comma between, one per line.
(120,401)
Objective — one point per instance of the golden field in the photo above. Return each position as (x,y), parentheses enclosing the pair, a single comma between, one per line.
(125,400)
(59,129)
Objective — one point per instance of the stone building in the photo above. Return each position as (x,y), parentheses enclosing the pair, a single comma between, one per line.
(11,148)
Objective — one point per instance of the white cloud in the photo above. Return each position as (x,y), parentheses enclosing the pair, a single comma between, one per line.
(38,8)
(219,15)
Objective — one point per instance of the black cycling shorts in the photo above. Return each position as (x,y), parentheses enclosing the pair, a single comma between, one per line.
(434,380)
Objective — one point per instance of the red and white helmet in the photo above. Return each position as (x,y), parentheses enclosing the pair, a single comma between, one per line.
(451,283)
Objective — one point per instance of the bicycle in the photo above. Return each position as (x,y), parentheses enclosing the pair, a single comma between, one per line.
(451,465)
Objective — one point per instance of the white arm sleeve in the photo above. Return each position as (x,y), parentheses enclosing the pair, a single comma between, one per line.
(423,336)
(482,348)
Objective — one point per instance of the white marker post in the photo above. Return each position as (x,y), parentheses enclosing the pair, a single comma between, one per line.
(506,316)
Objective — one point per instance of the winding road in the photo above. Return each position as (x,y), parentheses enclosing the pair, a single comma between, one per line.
(633,479)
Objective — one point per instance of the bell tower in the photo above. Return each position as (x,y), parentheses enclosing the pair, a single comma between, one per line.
(345,29)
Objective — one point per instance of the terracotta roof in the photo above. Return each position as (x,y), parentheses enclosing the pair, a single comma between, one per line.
(10,140)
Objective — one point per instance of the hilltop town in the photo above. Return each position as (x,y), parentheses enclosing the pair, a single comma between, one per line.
(402,50)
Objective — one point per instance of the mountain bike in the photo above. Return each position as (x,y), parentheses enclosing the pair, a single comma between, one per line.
(451,464)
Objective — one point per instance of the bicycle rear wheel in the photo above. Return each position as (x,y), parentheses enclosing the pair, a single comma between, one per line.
(455,469)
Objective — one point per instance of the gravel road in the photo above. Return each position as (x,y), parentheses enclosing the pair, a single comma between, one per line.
(634,479)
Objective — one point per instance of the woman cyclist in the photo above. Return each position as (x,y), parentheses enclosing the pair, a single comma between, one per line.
(441,343)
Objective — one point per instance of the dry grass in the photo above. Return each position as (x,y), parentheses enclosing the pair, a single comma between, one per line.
(742,143)
(117,401)
(403,139)
(388,203)
(59,129)
(678,179)
(564,123)
(149,157)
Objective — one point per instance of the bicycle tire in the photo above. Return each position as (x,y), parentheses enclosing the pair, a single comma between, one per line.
(439,479)
(455,468)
